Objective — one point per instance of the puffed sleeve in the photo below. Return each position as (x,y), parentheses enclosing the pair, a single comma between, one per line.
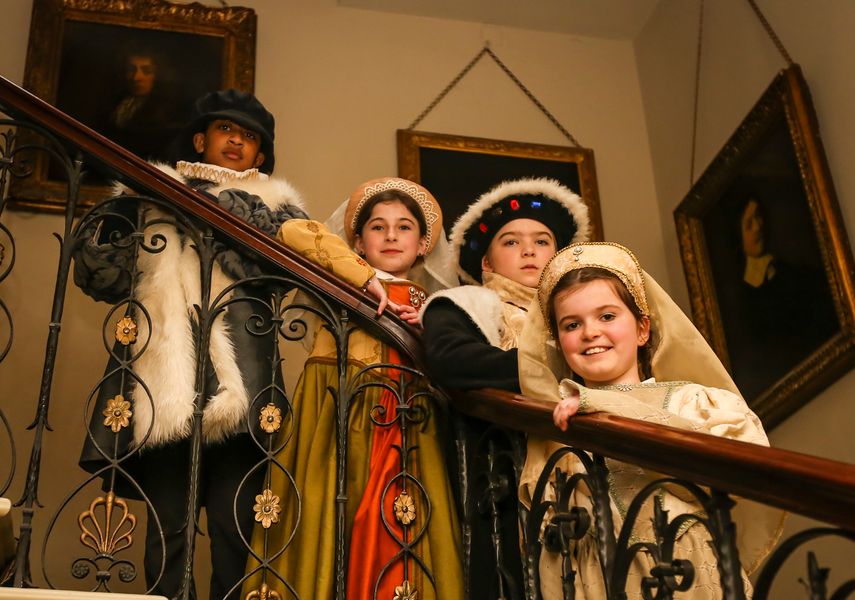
(254,211)
(689,406)
(317,243)
(104,253)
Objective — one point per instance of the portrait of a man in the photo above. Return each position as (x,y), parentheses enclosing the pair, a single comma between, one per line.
(144,118)
(135,86)
(775,302)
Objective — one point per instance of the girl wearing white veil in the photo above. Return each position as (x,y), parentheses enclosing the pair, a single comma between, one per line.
(675,380)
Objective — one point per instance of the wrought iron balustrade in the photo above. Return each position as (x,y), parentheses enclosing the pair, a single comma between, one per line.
(489,462)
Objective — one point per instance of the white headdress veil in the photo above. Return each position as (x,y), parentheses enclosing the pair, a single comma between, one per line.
(680,353)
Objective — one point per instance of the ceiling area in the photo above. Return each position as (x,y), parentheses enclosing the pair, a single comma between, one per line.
(616,19)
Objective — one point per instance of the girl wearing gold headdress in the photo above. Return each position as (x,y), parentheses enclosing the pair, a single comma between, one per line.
(401,530)
(617,343)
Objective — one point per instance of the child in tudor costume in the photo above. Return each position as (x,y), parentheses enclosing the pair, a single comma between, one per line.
(500,245)
(396,227)
(144,414)
(605,329)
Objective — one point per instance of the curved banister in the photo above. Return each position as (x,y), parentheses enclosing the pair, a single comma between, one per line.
(147,179)
(815,487)
(812,486)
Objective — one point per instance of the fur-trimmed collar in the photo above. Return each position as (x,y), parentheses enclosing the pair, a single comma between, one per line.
(170,288)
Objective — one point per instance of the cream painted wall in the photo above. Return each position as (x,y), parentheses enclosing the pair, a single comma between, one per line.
(738,63)
(340,82)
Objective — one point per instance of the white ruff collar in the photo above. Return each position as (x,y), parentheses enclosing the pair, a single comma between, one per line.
(215,174)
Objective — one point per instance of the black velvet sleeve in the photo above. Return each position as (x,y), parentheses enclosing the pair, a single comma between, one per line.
(459,355)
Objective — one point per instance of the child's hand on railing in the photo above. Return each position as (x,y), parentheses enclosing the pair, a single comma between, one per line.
(410,315)
(375,288)
(566,408)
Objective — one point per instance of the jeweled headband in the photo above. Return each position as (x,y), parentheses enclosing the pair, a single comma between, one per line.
(610,256)
(541,199)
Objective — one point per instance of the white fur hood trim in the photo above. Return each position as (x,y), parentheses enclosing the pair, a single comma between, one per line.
(543,186)
(169,286)
(483,306)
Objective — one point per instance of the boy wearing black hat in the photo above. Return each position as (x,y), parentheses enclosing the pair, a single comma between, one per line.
(500,244)
(226,151)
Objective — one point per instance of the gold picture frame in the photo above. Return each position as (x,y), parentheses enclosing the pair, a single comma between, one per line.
(458,169)
(766,256)
(130,70)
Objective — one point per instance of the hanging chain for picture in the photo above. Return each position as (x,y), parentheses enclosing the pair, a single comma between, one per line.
(775,40)
(771,32)
(486,50)
(697,95)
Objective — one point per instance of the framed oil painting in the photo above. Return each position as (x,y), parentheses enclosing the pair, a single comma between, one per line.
(457,169)
(130,70)
(766,256)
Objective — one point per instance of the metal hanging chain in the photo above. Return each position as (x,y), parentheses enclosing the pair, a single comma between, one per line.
(697,95)
(775,39)
(509,73)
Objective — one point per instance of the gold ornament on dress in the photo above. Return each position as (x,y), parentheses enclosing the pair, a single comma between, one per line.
(267,508)
(107,539)
(405,508)
(417,297)
(270,418)
(405,591)
(117,414)
(263,593)
(126,331)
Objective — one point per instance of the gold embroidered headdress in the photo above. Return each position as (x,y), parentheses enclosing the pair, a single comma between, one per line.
(612,257)
(436,271)
(680,353)
(423,198)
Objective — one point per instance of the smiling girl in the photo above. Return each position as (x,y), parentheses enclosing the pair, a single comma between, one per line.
(625,348)
(392,224)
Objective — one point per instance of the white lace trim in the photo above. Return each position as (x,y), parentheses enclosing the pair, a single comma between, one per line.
(209,172)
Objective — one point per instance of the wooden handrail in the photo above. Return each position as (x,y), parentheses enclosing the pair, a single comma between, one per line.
(147,179)
(815,487)
(812,486)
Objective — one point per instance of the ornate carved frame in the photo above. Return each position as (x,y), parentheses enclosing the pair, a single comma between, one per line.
(787,100)
(234,25)
(411,143)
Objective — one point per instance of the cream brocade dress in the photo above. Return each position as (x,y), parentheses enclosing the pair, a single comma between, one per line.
(678,404)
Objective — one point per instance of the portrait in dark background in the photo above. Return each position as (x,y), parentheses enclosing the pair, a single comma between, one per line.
(457,169)
(135,86)
(130,70)
(767,259)
(775,302)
